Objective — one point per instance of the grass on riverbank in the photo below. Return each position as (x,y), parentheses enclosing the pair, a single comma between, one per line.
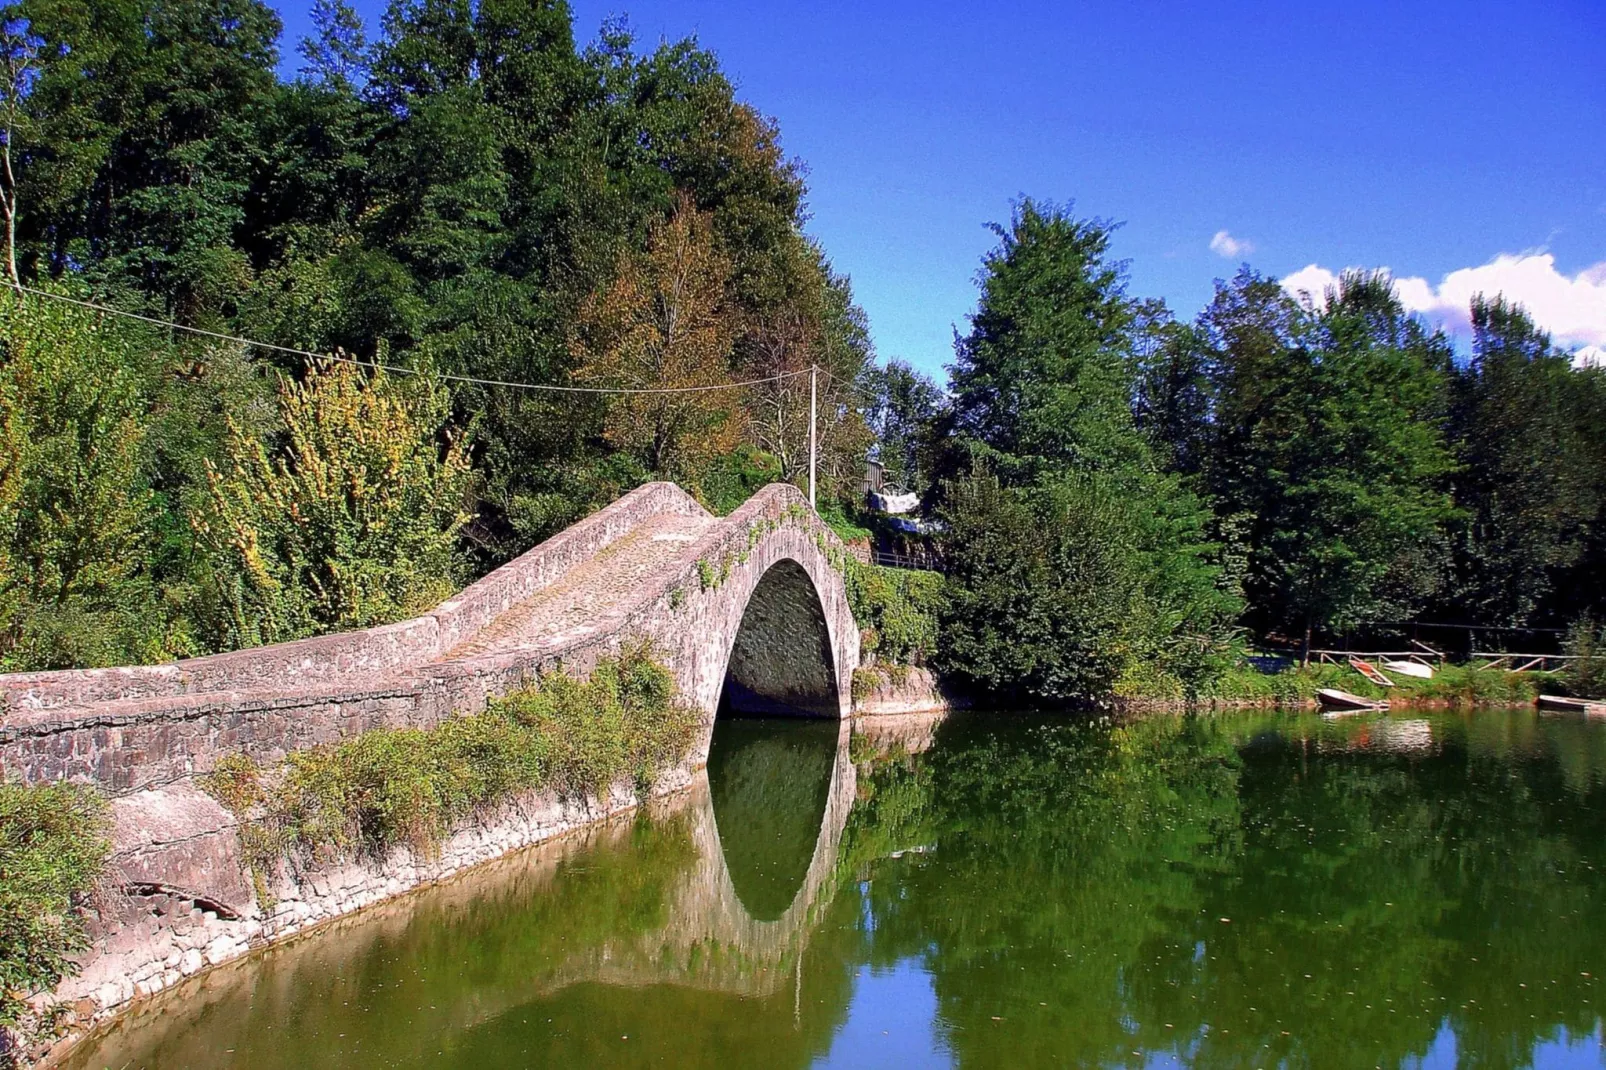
(1455,685)
(412,786)
(52,851)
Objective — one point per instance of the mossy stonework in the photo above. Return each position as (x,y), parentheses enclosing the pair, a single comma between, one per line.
(757,597)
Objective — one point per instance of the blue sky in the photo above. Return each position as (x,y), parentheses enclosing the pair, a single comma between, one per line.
(1431,138)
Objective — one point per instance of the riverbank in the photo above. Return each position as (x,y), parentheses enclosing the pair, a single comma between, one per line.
(151,936)
(180,895)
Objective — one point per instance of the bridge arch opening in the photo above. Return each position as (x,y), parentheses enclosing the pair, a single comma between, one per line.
(781,663)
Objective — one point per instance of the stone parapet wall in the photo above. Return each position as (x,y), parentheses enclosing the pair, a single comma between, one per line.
(366,653)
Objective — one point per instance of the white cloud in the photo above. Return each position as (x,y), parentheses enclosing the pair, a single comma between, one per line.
(1572,308)
(1224,244)
(1312,281)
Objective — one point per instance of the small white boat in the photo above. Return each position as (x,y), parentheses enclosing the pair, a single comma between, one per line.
(1410,668)
(1334,699)
(1591,707)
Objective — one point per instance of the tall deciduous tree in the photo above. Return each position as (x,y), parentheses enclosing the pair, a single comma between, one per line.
(664,324)
(142,143)
(1329,434)
(903,409)
(1099,574)
(1529,433)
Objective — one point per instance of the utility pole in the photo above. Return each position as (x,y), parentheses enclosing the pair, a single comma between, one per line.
(814,452)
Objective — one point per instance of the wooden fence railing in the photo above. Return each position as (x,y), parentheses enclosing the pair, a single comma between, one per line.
(1433,659)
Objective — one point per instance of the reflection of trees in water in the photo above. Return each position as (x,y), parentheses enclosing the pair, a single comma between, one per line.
(1079,881)
(1068,880)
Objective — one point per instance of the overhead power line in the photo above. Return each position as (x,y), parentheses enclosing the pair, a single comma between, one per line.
(397,368)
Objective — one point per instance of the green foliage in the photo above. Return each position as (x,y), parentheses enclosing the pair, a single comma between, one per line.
(1327,432)
(80,524)
(52,850)
(1586,677)
(897,612)
(1060,592)
(904,409)
(1244,683)
(730,479)
(625,722)
(836,518)
(353,521)
(1072,559)
(413,786)
(1041,382)
(466,188)
(1531,433)
(1453,685)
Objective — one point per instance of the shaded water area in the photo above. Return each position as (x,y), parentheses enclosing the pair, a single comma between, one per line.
(1236,890)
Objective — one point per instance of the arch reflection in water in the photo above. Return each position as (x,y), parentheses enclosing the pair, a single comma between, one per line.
(770,783)
(550,957)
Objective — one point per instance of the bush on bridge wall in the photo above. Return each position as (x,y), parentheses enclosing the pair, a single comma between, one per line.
(896,610)
(52,850)
(412,786)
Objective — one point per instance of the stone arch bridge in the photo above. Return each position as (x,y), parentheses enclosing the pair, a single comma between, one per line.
(748,609)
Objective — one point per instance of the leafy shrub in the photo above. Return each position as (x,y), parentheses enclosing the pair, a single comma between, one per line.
(1586,676)
(52,850)
(412,786)
(896,610)
(78,519)
(351,521)
(1077,587)
(729,479)
(846,528)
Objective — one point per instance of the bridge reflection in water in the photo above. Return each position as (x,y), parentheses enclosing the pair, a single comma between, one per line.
(652,929)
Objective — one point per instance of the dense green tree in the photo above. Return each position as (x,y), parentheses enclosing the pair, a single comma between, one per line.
(1530,438)
(1041,383)
(902,411)
(1173,397)
(1077,567)
(79,520)
(1328,435)
(142,143)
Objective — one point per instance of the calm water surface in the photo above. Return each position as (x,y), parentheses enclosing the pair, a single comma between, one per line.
(1237,890)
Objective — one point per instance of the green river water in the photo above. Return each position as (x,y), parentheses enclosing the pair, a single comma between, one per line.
(1237,890)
